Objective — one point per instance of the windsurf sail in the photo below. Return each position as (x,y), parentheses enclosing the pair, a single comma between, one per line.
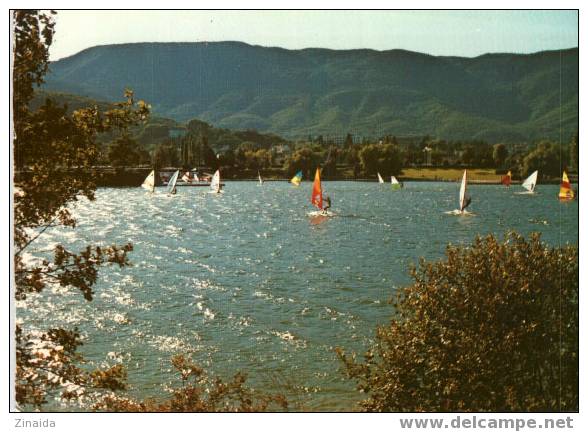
(507,179)
(215,182)
(297,179)
(464,198)
(196,179)
(531,182)
(395,183)
(565,189)
(380,179)
(149,182)
(317,191)
(186,177)
(259,177)
(171,185)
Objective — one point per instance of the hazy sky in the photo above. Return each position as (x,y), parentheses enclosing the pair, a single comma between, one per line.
(460,33)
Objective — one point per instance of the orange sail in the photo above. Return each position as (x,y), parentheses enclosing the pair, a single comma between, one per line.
(565,189)
(317,191)
(506,179)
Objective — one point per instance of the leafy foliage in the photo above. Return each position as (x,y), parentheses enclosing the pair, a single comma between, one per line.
(383,158)
(199,393)
(494,327)
(53,150)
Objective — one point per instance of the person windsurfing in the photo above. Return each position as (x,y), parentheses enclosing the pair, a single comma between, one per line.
(327,201)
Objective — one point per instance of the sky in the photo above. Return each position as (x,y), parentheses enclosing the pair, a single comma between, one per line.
(458,33)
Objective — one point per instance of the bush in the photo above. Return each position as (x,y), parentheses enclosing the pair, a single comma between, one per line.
(199,393)
(494,327)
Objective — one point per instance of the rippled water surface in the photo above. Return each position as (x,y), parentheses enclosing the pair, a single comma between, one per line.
(247,281)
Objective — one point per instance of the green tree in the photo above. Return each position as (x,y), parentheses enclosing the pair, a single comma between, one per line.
(547,158)
(383,158)
(499,154)
(574,153)
(303,159)
(53,151)
(166,155)
(494,327)
(124,151)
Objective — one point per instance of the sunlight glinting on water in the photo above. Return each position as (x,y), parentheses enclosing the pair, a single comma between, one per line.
(247,281)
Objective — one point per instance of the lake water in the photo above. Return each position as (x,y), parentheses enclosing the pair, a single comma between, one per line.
(247,281)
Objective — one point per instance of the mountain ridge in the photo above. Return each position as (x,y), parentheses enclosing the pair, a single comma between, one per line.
(296,93)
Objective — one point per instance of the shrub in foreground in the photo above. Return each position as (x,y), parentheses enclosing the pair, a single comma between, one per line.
(199,393)
(493,327)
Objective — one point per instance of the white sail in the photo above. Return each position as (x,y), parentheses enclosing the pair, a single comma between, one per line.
(149,182)
(464,199)
(186,177)
(531,182)
(196,179)
(394,181)
(171,185)
(380,179)
(215,183)
(260,179)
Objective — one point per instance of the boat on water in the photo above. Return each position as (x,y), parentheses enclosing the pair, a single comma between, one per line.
(171,186)
(296,179)
(566,193)
(316,198)
(507,179)
(396,185)
(529,184)
(380,179)
(464,198)
(191,179)
(149,182)
(215,184)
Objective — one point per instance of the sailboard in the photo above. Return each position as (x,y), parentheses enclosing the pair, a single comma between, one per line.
(380,179)
(297,179)
(171,185)
(260,179)
(186,177)
(316,198)
(149,182)
(215,183)
(396,185)
(529,184)
(566,193)
(464,198)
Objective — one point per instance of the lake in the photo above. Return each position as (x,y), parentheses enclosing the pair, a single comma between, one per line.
(247,281)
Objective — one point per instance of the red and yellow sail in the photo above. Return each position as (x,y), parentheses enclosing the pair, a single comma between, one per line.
(317,191)
(565,189)
(506,180)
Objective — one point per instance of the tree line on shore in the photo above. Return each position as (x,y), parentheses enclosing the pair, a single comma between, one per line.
(492,327)
(387,155)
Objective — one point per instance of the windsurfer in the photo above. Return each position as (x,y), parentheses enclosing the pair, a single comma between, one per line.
(327,201)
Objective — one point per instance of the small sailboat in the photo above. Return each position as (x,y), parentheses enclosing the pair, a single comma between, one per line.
(215,184)
(380,179)
(260,179)
(149,182)
(530,183)
(396,185)
(566,193)
(171,185)
(297,179)
(507,179)
(464,197)
(316,197)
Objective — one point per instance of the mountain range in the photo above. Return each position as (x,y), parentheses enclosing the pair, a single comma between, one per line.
(297,93)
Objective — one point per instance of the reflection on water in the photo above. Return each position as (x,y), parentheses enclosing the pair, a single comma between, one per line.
(248,281)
